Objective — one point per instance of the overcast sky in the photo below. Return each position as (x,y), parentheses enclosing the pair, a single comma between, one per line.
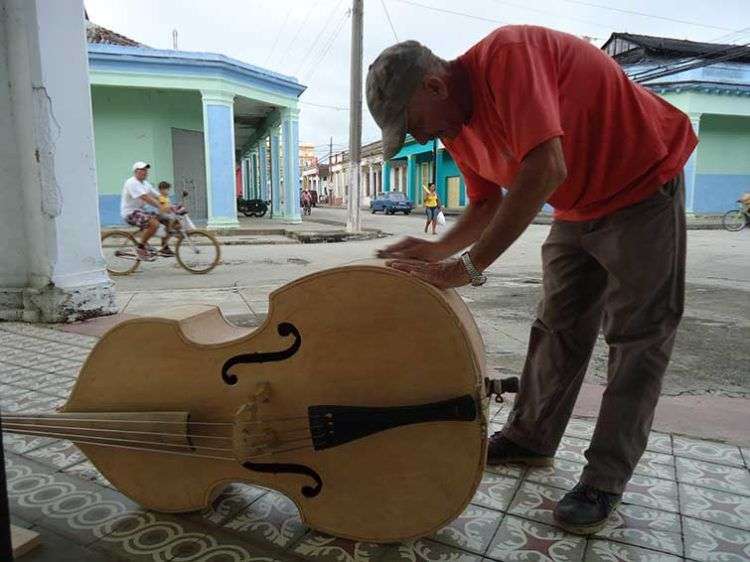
(310,39)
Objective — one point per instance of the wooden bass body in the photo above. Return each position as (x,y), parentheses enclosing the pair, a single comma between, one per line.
(360,398)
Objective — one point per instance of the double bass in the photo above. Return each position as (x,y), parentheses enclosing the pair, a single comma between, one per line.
(360,398)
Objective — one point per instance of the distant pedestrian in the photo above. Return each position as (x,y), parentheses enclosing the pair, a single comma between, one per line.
(306,202)
(431,207)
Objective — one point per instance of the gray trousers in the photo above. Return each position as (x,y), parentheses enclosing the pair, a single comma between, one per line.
(624,273)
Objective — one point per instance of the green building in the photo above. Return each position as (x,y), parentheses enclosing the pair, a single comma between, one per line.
(208,124)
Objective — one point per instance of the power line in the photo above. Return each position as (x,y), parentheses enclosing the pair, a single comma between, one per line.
(387,15)
(452,12)
(558,15)
(278,36)
(731,37)
(633,12)
(720,50)
(299,30)
(336,107)
(309,51)
(699,62)
(328,46)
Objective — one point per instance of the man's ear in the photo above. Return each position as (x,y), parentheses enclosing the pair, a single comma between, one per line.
(435,86)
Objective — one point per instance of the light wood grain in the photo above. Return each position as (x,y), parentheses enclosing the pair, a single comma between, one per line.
(371,336)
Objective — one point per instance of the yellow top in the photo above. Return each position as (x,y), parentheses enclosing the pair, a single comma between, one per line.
(164,202)
(430,199)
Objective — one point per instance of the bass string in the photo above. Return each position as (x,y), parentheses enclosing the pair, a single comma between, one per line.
(47,417)
(82,439)
(191,454)
(43,417)
(112,430)
(11,425)
(77,437)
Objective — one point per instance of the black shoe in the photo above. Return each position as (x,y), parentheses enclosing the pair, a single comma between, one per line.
(166,251)
(584,510)
(502,450)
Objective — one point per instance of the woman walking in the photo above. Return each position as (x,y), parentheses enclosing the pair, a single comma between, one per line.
(431,207)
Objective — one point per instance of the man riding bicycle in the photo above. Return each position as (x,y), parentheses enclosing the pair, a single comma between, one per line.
(136,193)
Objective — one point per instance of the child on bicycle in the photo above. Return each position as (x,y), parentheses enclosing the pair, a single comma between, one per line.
(168,212)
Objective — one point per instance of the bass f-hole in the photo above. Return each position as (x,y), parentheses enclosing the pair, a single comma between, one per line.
(284,329)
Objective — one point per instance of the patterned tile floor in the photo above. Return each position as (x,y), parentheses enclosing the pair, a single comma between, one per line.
(689,499)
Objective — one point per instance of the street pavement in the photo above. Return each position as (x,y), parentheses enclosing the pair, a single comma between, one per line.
(689,498)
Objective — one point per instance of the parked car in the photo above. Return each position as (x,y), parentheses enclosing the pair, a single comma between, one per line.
(391,202)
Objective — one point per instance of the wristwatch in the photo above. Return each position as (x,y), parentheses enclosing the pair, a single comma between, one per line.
(477,278)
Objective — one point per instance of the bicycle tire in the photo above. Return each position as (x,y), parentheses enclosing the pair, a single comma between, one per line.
(733,220)
(127,240)
(182,247)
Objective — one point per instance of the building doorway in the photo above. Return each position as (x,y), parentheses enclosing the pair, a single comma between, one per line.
(189,161)
(454,192)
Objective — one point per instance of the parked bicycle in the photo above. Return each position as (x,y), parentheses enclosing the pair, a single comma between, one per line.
(197,251)
(737,219)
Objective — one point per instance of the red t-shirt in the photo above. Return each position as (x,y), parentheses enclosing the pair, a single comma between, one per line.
(530,84)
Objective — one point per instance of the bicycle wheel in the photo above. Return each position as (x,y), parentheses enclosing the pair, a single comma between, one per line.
(119,249)
(733,220)
(198,251)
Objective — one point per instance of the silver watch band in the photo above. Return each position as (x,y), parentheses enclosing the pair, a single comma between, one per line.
(469,265)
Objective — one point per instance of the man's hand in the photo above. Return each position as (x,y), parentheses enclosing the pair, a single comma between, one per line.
(414,249)
(443,275)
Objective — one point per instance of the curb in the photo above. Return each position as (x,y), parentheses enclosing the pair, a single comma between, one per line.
(228,237)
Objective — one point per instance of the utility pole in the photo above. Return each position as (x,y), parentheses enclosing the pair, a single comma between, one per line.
(353,223)
(330,169)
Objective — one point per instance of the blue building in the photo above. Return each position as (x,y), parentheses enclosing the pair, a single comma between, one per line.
(711,84)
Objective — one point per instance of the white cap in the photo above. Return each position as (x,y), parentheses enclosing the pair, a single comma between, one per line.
(140,166)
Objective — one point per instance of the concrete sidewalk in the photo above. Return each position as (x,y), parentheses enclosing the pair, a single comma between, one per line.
(688,500)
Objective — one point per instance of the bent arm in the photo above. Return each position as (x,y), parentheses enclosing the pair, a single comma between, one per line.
(151,200)
(542,171)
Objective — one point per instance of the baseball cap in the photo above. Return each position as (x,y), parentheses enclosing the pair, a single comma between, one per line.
(391,81)
(140,166)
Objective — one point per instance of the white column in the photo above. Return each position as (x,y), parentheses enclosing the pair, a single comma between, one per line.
(290,136)
(691,167)
(371,181)
(52,268)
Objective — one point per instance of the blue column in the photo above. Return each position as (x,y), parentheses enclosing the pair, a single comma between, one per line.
(290,137)
(275,175)
(218,131)
(386,176)
(691,167)
(262,169)
(411,168)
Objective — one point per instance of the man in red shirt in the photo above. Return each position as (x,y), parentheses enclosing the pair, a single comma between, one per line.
(554,120)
